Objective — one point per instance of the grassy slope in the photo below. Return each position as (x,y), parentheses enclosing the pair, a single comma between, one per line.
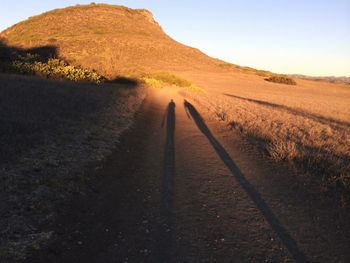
(50,131)
(109,39)
(306,124)
(116,40)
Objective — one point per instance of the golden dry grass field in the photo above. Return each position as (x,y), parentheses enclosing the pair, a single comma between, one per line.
(307,124)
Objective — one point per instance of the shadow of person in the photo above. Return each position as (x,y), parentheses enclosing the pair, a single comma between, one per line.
(274,222)
(169,116)
(165,238)
(169,157)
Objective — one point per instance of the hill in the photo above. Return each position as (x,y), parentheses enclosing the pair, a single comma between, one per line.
(330,79)
(110,39)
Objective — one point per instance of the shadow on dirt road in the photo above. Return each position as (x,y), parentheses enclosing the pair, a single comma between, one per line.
(281,231)
(167,209)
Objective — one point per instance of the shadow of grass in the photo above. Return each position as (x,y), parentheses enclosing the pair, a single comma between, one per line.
(312,116)
(9,53)
(125,81)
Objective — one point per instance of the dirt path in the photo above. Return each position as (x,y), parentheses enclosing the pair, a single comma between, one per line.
(180,189)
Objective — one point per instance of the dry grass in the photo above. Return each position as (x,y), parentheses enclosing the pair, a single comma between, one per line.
(113,40)
(52,68)
(166,79)
(307,124)
(244,70)
(50,132)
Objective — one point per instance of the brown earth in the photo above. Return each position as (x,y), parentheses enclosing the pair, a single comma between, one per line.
(110,39)
(174,192)
(183,189)
(50,132)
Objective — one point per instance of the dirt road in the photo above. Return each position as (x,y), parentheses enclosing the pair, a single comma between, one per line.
(181,189)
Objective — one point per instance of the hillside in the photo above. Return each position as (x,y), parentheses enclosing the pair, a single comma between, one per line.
(330,79)
(109,39)
(120,144)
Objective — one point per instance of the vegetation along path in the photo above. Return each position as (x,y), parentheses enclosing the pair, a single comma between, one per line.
(181,189)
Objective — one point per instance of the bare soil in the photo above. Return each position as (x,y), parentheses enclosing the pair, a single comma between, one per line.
(181,188)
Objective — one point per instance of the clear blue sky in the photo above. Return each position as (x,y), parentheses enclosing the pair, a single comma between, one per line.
(285,36)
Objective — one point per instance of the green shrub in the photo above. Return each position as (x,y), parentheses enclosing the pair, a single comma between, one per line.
(282,80)
(52,68)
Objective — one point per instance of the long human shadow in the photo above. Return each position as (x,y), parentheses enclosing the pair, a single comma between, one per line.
(169,158)
(312,116)
(166,227)
(276,225)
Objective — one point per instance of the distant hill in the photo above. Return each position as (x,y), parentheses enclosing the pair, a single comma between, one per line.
(115,40)
(330,79)
(109,39)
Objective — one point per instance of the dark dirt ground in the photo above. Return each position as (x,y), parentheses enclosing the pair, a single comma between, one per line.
(50,130)
(178,191)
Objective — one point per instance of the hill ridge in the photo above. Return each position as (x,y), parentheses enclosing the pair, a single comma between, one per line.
(107,38)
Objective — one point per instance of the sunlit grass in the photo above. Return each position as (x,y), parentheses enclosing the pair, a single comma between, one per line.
(165,79)
(32,64)
(305,137)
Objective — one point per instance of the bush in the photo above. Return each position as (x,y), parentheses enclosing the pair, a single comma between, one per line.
(52,68)
(161,79)
(282,80)
(171,79)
